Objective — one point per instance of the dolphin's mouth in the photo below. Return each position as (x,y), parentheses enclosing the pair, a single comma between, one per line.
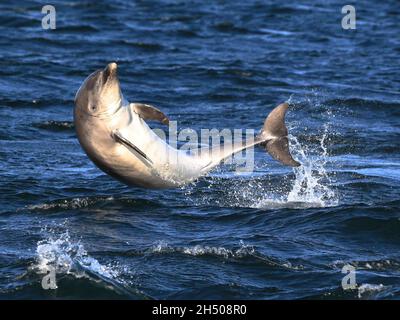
(109,72)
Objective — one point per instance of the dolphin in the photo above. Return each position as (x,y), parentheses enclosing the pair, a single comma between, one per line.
(115,136)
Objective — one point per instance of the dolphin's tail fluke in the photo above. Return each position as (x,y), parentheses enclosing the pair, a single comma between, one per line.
(274,136)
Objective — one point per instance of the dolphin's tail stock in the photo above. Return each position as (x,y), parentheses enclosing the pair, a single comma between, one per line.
(274,136)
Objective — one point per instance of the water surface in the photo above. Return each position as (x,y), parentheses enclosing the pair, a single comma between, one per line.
(277,233)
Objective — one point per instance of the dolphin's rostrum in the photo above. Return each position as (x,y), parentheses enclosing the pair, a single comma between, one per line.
(115,136)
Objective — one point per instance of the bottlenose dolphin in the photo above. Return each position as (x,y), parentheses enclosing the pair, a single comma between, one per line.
(115,136)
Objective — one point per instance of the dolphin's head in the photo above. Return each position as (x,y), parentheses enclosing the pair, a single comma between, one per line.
(100,94)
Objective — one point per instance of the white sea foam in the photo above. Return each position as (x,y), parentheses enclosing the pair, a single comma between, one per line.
(66,256)
(199,250)
(367,289)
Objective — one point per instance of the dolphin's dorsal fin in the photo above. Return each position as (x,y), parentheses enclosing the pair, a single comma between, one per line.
(148,112)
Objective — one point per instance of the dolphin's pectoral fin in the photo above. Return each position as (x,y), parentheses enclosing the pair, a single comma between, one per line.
(118,137)
(148,112)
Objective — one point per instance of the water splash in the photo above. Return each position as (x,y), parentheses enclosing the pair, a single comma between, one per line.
(312,184)
(65,256)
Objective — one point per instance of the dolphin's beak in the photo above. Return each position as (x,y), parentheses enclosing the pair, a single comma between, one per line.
(110,71)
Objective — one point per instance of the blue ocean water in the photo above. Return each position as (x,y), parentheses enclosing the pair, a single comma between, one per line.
(278,233)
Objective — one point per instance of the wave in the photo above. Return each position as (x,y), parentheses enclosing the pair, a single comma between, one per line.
(277,32)
(74,203)
(91,202)
(241,253)
(145,46)
(375,105)
(52,125)
(200,250)
(373,265)
(364,291)
(381,228)
(227,26)
(61,255)
(34,103)
(81,28)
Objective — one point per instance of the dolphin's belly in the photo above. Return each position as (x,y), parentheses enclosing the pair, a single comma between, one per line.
(166,166)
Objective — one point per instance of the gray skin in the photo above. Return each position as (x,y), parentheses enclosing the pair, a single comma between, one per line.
(115,136)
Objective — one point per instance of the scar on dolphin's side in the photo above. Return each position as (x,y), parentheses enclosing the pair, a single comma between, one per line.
(118,137)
